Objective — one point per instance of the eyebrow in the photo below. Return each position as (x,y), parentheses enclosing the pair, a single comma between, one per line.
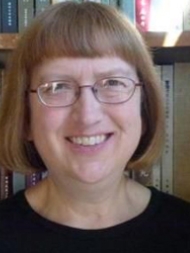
(54,77)
(100,74)
(116,72)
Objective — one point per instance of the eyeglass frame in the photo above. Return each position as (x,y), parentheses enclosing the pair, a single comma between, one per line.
(136,84)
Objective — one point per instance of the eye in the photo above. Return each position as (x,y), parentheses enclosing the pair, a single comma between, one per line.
(58,87)
(61,87)
(115,84)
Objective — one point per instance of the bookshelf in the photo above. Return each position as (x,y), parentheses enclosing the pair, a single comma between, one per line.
(166,47)
(162,39)
(153,39)
(8,41)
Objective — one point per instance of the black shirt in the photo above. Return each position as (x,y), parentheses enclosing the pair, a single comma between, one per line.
(164,226)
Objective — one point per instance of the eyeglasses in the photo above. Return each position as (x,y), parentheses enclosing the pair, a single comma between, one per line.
(62,93)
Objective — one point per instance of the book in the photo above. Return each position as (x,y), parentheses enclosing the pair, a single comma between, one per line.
(25,14)
(182,130)
(167,156)
(113,3)
(128,8)
(157,167)
(6,189)
(142,176)
(159,15)
(41,5)
(9,16)
(186,16)
(97,1)
(18,182)
(0,17)
(156,175)
(32,179)
(107,2)
(59,1)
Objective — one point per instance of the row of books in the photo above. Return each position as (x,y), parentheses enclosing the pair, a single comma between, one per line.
(147,15)
(12,182)
(16,15)
(162,15)
(171,173)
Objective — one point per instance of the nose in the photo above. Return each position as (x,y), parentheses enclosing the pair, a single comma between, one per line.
(87,110)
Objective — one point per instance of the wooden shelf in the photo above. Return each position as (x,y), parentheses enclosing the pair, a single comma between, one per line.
(171,39)
(153,39)
(8,41)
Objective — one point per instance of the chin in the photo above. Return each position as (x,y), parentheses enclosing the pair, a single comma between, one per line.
(93,175)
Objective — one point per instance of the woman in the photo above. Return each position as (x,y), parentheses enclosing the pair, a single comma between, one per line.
(82,101)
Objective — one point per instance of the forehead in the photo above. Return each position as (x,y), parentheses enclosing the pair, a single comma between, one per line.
(79,68)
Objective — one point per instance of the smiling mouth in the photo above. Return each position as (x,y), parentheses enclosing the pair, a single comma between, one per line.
(89,140)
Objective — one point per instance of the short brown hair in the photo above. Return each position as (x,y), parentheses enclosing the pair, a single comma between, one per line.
(76,30)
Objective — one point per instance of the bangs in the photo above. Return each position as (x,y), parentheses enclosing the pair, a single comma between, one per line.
(79,30)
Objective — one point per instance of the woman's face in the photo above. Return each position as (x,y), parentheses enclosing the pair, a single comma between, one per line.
(87,141)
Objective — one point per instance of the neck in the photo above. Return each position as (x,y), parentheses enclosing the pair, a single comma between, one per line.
(84,205)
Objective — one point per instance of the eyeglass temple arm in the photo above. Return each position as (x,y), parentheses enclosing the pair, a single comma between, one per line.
(139,84)
(32,90)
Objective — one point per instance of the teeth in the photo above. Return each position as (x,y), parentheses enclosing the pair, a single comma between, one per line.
(88,141)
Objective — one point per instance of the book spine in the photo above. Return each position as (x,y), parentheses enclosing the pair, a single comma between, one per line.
(44,175)
(142,176)
(57,1)
(18,182)
(25,14)
(156,175)
(32,179)
(159,16)
(97,1)
(128,8)
(182,130)
(156,168)
(142,8)
(6,189)
(107,2)
(41,5)
(1,17)
(167,156)
(186,16)
(9,16)
(113,3)
(60,1)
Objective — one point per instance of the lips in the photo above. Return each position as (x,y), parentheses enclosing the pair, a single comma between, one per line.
(89,140)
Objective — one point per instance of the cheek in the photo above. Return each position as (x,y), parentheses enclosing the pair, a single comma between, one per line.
(132,127)
(129,116)
(45,120)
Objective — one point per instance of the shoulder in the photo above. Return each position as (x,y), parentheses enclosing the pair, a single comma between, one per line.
(8,203)
(170,208)
(167,222)
(11,210)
